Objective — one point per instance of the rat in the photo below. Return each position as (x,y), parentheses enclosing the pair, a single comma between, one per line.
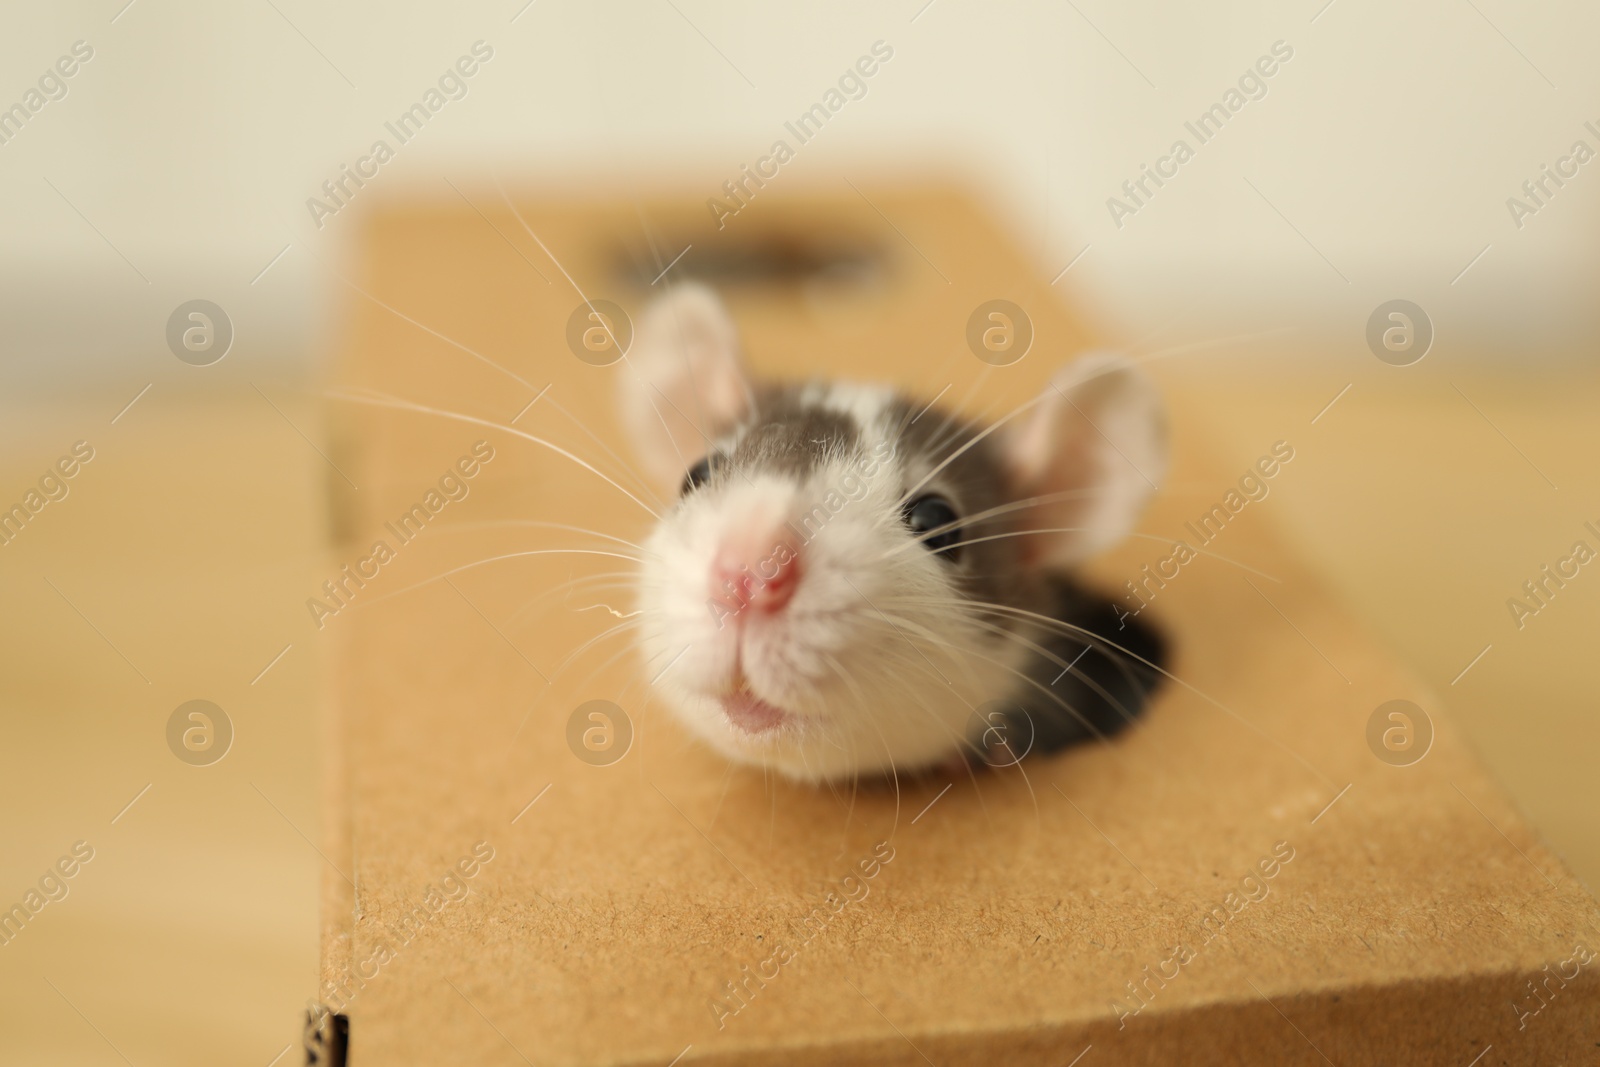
(851,583)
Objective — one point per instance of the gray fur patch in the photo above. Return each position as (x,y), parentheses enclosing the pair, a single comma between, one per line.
(788,436)
(974,482)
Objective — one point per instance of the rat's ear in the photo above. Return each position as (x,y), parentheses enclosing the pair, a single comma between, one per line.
(1095,444)
(682,381)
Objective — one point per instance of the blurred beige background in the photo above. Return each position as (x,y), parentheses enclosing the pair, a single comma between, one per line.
(178,164)
(1388,144)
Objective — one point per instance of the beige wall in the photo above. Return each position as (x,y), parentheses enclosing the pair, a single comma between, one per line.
(1391,142)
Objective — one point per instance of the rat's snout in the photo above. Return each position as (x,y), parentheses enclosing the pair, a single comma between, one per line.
(755,569)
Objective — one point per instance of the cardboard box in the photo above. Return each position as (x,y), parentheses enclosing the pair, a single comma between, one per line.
(1239,878)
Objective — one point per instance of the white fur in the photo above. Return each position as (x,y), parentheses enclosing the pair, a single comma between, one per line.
(865,693)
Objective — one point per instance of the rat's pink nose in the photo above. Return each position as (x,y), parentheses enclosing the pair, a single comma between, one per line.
(759,574)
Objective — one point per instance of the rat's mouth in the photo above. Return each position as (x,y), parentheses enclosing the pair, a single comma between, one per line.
(749,714)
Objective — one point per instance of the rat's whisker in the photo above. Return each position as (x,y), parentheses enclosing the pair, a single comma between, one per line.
(1074,529)
(716,812)
(1018,758)
(1109,368)
(887,749)
(953,416)
(1000,509)
(861,697)
(1045,620)
(960,743)
(612,610)
(583,682)
(429,330)
(1082,677)
(968,425)
(1192,346)
(501,523)
(497,559)
(610,631)
(972,441)
(1056,697)
(492,523)
(1090,640)
(906,629)
(385,401)
(603,581)
(639,480)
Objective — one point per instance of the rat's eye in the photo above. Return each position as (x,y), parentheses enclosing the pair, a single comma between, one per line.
(698,475)
(934,513)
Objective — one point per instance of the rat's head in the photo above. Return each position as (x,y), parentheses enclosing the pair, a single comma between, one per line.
(845,577)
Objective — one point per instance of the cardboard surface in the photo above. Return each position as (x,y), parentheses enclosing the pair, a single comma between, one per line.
(1415,911)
